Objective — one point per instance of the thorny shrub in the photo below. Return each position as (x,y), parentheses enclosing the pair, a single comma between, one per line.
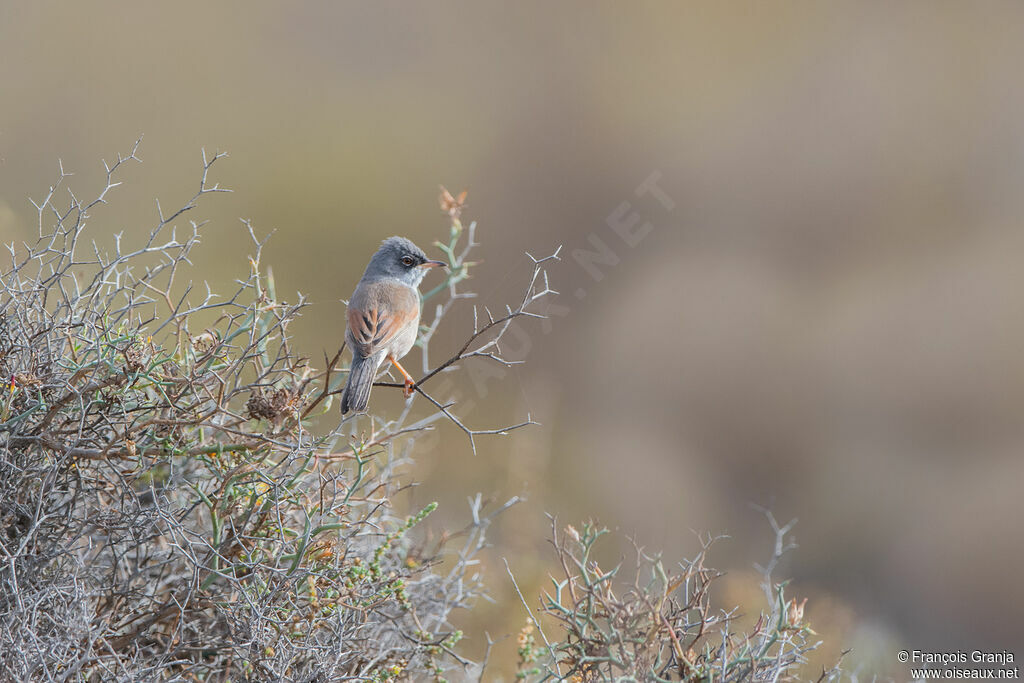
(167,509)
(650,621)
(172,506)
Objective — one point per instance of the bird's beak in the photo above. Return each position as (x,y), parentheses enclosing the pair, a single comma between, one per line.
(433,264)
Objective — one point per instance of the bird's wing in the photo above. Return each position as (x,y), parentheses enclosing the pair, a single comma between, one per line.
(378,312)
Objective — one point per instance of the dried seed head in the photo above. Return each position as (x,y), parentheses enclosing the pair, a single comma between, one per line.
(272,406)
(452,205)
(134,358)
(204,342)
(795,612)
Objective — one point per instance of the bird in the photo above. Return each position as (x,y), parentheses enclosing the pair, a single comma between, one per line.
(384,317)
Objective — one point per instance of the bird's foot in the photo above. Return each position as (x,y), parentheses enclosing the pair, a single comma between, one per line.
(410,388)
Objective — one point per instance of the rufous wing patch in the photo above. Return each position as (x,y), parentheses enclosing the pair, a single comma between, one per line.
(375,328)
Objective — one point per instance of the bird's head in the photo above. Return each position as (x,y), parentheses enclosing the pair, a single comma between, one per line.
(402,260)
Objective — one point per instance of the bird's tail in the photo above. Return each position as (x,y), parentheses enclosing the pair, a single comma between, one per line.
(360,382)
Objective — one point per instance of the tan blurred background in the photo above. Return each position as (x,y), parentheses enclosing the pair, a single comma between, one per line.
(829,321)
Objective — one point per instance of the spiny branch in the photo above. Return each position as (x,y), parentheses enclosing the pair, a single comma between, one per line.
(489,349)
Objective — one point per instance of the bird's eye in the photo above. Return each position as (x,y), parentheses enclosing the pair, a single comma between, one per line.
(407,261)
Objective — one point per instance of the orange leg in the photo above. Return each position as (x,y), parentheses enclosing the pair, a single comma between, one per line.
(409,381)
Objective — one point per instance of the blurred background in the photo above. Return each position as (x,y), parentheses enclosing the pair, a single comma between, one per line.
(824,316)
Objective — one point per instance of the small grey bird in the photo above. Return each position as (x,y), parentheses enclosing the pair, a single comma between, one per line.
(384,317)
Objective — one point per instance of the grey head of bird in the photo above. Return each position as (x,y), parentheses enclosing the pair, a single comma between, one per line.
(398,258)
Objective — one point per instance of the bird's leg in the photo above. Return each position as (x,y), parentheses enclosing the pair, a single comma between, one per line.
(409,381)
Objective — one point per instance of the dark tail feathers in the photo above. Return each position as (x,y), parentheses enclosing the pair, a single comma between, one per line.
(360,382)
